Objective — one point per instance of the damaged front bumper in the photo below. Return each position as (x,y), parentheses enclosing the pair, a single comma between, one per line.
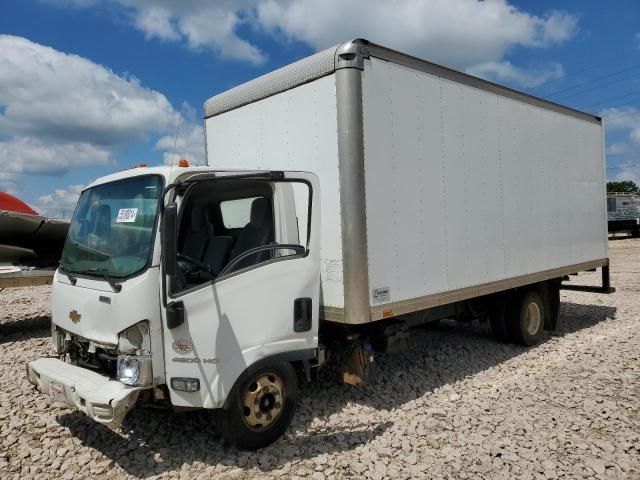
(104,400)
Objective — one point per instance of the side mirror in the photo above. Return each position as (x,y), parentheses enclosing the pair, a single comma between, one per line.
(170,239)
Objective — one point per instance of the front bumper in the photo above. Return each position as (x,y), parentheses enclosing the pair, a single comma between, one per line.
(104,400)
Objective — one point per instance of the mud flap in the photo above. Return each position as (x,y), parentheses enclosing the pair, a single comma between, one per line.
(358,367)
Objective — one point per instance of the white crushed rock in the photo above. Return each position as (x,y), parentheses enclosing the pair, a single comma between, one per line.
(455,405)
(25,304)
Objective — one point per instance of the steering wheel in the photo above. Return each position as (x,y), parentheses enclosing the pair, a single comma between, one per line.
(200,267)
(299,249)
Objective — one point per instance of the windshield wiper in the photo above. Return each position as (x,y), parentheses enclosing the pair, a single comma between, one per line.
(107,278)
(66,272)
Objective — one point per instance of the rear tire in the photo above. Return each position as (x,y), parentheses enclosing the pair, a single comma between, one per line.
(261,406)
(526,318)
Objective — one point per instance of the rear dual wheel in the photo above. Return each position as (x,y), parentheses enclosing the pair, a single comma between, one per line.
(526,318)
(519,318)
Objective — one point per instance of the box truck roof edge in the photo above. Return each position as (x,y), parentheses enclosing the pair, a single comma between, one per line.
(351,54)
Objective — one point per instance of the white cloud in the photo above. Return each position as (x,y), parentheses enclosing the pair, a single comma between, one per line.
(50,94)
(8,182)
(188,145)
(627,121)
(72,3)
(461,33)
(624,121)
(60,203)
(156,22)
(506,72)
(28,155)
(617,148)
(61,111)
(201,24)
(556,27)
(624,118)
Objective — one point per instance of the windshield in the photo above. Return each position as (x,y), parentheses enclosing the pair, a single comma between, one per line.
(112,229)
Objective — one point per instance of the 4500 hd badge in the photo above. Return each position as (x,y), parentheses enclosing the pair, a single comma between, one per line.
(194,360)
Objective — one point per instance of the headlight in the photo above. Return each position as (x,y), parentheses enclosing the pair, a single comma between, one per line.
(134,370)
(134,359)
(128,370)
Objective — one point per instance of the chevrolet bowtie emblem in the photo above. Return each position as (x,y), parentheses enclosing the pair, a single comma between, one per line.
(74,316)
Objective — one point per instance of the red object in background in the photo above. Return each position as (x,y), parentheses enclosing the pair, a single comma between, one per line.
(13,204)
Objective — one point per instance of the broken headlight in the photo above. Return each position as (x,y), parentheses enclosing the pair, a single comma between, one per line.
(134,370)
(134,356)
(135,339)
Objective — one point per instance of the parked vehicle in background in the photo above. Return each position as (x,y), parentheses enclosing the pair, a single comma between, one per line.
(348,197)
(30,244)
(623,213)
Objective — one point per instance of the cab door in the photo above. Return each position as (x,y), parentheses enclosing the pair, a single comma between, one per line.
(252,313)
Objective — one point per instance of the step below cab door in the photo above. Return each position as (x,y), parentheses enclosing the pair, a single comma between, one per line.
(252,309)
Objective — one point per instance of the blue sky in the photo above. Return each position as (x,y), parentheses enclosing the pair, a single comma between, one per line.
(89,87)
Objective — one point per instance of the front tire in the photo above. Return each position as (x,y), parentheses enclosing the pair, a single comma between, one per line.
(261,406)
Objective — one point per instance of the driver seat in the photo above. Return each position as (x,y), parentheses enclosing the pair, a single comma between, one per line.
(258,232)
(218,248)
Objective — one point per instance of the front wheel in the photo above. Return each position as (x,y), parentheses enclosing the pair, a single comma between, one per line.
(261,406)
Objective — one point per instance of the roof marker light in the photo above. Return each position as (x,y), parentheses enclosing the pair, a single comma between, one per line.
(183,163)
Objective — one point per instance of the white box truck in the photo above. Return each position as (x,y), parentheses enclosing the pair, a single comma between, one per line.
(348,197)
(623,213)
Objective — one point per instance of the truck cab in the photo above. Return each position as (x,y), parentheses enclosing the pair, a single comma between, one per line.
(193,287)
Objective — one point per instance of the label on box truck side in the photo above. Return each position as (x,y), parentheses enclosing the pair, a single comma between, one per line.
(127,215)
(381,295)
(333,271)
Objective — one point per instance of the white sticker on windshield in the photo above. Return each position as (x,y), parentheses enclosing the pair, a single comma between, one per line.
(127,215)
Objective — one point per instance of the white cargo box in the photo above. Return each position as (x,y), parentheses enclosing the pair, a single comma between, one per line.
(436,186)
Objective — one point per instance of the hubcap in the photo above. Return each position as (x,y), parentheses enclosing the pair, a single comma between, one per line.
(532,318)
(263,401)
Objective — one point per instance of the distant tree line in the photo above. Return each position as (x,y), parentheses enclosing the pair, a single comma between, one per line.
(622,187)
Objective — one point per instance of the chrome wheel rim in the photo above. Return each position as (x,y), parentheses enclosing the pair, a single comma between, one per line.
(532,318)
(263,401)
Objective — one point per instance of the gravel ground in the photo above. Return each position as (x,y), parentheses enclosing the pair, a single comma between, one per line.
(455,405)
